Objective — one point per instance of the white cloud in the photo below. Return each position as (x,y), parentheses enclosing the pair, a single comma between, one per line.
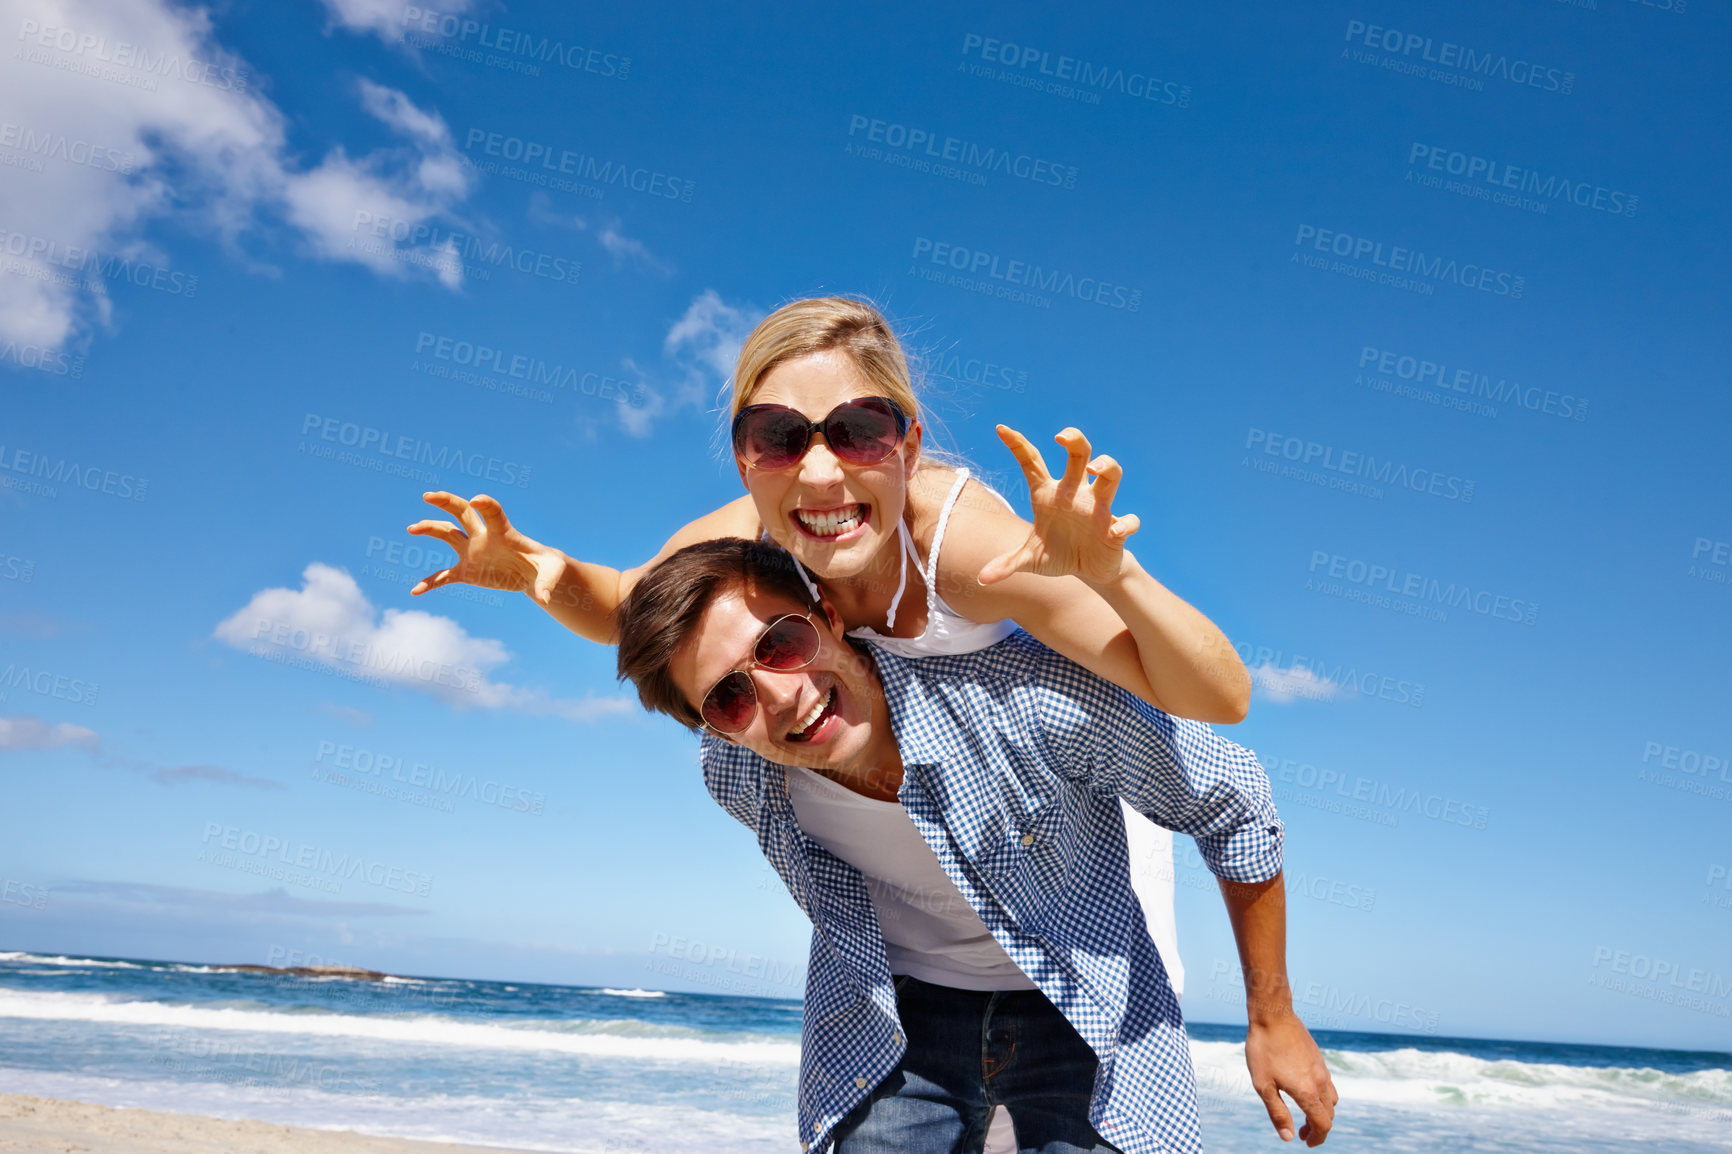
(23,732)
(385,18)
(172,124)
(330,623)
(613,240)
(623,249)
(710,334)
(1286,685)
(359,718)
(699,352)
(211,773)
(272,901)
(701,348)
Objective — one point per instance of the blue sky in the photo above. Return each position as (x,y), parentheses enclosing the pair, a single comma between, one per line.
(1293,271)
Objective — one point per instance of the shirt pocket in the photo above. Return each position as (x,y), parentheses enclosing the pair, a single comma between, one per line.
(1027,867)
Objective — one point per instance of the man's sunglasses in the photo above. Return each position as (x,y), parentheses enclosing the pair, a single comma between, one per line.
(862,432)
(789,642)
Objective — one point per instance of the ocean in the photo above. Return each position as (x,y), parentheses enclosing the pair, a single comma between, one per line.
(636,1071)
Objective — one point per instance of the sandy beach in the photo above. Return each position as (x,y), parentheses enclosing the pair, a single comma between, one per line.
(43,1125)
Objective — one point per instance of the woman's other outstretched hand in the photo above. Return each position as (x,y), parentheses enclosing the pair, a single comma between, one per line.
(490,553)
(1075,532)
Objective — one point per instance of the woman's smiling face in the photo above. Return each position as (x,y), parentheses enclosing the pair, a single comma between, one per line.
(833,516)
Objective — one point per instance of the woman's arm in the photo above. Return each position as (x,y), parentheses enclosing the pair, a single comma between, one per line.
(1072,584)
(580,595)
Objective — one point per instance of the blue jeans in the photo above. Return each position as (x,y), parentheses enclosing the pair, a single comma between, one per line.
(968,1051)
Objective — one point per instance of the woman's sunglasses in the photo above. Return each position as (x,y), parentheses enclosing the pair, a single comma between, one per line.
(862,432)
(789,642)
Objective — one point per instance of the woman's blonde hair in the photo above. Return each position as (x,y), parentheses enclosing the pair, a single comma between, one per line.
(815,325)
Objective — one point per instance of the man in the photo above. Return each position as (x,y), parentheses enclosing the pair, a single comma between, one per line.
(952,827)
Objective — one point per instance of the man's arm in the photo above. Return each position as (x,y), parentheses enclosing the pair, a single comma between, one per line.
(1278,1048)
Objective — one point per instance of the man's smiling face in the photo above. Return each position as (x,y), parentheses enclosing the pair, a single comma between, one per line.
(829,715)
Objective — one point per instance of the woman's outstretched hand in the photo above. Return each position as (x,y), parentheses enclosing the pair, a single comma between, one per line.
(490,553)
(1075,532)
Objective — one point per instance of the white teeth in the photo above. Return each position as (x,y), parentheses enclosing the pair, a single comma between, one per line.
(833,523)
(806,722)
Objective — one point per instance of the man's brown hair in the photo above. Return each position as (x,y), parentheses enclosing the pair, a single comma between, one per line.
(663,609)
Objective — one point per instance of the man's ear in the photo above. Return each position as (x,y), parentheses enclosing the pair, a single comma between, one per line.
(833,618)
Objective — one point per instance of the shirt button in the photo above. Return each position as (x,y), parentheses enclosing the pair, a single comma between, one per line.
(897,1037)
(1028,839)
(860,1083)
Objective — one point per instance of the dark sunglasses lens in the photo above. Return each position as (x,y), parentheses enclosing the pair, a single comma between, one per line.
(790,643)
(728,707)
(771,438)
(863,432)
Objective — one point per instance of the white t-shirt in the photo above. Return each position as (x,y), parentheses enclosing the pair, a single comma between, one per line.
(930,931)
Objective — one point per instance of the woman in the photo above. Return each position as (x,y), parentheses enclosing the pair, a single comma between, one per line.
(826,438)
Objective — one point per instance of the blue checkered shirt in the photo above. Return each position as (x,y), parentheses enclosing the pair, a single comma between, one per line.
(1014,759)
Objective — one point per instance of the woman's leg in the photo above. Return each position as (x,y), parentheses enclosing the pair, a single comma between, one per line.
(1151,852)
(1001,1134)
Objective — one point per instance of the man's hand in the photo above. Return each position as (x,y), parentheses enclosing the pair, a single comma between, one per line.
(1283,1058)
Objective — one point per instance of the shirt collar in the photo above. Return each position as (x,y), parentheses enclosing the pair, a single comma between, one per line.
(912,711)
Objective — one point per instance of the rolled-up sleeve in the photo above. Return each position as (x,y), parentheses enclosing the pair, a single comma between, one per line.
(1180,774)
